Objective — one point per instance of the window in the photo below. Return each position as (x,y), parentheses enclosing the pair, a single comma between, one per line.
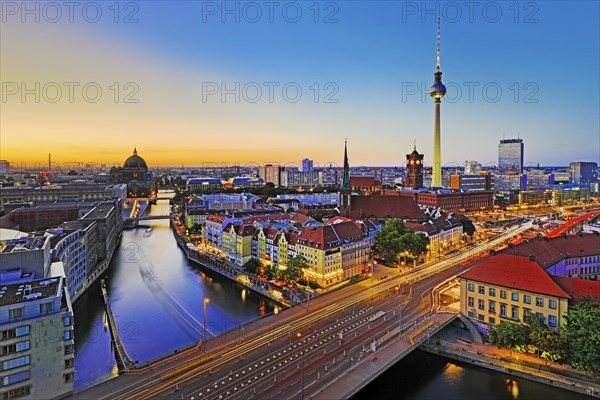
(540,316)
(492,292)
(514,296)
(470,302)
(492,306)
(492,320)
(471,287)
(22,346)
(514,314)
(503,294)
(46,308)
(480,317)
(539,302)
(551,320)
(22,331)
(14,378)
(502,310)
(526,313)
(480,305)
(67,321)
(481,290)
(15,362)
(16,313)
(552,304)
(526,299)
(18,392)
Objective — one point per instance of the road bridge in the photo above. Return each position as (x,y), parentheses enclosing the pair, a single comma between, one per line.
(305,349)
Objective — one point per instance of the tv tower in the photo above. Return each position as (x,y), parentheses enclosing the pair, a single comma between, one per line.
(437,91)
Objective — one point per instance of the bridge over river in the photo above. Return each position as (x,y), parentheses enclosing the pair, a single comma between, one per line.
(307,349)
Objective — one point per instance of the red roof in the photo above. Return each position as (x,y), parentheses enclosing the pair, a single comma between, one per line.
(549,251)
(578,288)
(330,236)
(514,272)
(364,181)
(385,207)
(302,218)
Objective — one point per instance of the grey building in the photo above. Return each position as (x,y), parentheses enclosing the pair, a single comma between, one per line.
(38,353)
(510,156)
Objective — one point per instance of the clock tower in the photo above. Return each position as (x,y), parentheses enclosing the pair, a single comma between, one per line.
(414,170)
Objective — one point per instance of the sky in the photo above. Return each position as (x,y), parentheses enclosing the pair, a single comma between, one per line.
(192,82)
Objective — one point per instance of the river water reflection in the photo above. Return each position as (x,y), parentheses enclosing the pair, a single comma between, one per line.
(157,299)
(423,376)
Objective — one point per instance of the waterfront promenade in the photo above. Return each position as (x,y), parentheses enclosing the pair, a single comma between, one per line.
(453,343)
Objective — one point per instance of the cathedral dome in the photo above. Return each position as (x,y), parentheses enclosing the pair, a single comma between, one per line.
(135,161)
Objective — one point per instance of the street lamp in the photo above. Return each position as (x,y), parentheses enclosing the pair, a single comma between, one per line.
(299,336)
(206,301)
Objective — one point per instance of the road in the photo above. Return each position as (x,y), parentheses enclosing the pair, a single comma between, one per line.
(266,361)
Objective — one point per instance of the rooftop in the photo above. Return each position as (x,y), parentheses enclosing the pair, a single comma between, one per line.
(514,272)
(101,211)
(549,251)
(578,288)
(24,243)
(29,291)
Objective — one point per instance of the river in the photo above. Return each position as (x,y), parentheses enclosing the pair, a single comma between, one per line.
(157,299)
(423,376)
(152,287)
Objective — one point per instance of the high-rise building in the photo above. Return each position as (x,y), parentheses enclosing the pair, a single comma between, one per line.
(472,167)
(271,173)
(414,170)
(307,165)
(4,166)
(583,173)
(437,91)
(36,319)
(510,156)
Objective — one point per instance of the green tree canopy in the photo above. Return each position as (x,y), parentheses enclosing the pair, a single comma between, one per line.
(468,226)
(582,335)
(508,335)
(395,238)
(293,270)
(252,265)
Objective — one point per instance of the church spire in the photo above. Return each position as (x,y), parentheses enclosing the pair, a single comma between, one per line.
(135,150)
(345,186)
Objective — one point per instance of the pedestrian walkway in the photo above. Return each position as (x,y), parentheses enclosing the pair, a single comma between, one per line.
(455,343)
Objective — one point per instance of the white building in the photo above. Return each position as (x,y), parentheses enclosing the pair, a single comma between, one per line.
(310,199)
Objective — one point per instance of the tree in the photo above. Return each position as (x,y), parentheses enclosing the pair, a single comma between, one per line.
(396,238)
(252,266)
(549,345)
(582,335)
(269,272)
(293,270)
(508,335)
(468,226)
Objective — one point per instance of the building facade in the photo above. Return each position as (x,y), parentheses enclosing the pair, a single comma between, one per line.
(511,156)
(38,351)
(583,173)
(510,288)
(414,170)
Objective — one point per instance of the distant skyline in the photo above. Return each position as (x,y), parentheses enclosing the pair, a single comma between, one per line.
(375,58)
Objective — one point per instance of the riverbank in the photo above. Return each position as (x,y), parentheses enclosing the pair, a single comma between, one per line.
(453,344)
(226,269)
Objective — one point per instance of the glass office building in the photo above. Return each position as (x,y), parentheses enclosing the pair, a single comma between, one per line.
(510,156)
